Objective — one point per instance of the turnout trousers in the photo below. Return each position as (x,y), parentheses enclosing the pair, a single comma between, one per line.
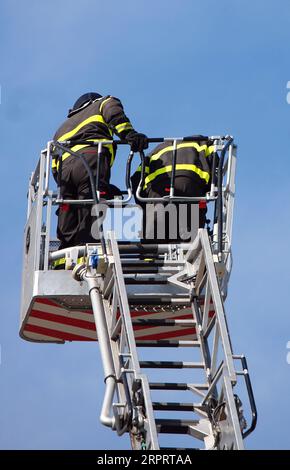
(75,221)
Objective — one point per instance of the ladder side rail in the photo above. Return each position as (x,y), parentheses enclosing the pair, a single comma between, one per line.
(229,195)
(206,308)
(223,375)
(115,322)
(47,207)
(30,196)
(231,436)
(33,187)
(221,389)
(123,300)
(209,326)
(215,367)
(47,233)
(131,344)
(35,176)
(47,203)
(39,212)
(229,211)
(201,273)
(202,316)
(132,383)
(225,277)
(215,349)
(203,342)
(214,190)
(210,332)
(220,200)
(217,303)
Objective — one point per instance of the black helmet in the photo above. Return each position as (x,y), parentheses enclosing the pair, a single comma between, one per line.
(87,98)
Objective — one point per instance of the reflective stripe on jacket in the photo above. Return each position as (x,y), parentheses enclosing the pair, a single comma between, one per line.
(95,123)
(192,159)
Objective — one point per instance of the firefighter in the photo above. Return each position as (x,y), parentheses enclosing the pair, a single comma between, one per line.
(93,118)
(192,179)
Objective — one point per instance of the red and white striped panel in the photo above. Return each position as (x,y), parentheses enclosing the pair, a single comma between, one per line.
(51,322)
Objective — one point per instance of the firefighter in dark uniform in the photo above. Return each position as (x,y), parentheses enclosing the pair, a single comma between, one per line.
(192,178)
(93,118)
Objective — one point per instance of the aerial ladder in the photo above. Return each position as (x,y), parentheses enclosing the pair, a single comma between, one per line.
(156,309)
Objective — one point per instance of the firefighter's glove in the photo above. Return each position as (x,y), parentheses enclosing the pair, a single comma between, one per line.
(137,141)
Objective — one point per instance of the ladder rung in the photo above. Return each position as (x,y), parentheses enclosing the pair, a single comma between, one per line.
(168,386)
(174,426)
(140,256)
(142,281)
(146,246)
(147,268)
(143,299)
(150,269)
(144,269)
(138,263)
(176,386)
(171,365)
(167,344)
(172,406)
(164,322)
(137,247)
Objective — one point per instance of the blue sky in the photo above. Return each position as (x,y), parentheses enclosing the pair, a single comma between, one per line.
(180,67)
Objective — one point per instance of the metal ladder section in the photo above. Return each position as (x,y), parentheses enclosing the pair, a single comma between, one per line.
(117,284)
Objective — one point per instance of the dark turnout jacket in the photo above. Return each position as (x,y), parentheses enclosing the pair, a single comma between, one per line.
(96,122)
(194,160)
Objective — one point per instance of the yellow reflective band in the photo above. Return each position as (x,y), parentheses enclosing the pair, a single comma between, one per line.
(53,163)
(75,148)
(94,118)
(61,261)
(181,166)
(199,148)
(146,169)
(105,101)
(123,127)
(58,262)
(209,150)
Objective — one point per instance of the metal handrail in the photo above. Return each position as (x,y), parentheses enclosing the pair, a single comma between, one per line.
(47,168)
(65,147)
(216,192)
(220,195)
(171,197)
(253,406)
